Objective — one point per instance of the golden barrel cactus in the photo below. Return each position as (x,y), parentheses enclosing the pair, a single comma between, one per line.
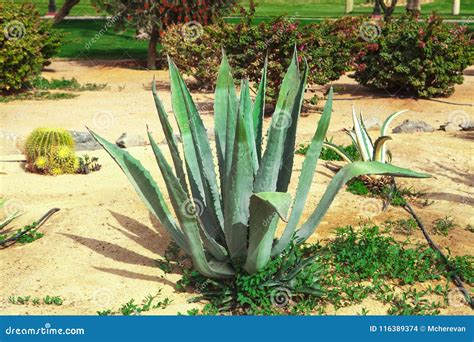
(51,151)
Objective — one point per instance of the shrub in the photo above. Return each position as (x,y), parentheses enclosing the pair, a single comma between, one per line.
(26,44)
(51,151)
(246,47)
(420,58)
(326,48)
(230,228)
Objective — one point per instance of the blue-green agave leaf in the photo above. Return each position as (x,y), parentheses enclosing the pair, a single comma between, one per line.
(267,175)
(265,210)
(170,138)
(245,107)
(286,169)
(237,192)
(306,176)
(259,111)
(344,175)
(182,204)
(225,116)
(146,188)
(197,150)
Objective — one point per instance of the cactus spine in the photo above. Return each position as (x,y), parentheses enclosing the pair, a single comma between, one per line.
(51,151)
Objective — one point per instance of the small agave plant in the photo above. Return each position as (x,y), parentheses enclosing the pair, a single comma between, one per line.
(368,150)
(5,221)
(239,204)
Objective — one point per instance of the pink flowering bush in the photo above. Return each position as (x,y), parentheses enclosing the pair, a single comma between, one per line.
(326,47)
(416,58)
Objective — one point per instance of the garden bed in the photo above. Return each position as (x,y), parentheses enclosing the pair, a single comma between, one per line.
(100,250)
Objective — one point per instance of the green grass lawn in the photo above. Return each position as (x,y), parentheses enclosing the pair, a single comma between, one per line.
(335,8)
(299,8)
(79,34)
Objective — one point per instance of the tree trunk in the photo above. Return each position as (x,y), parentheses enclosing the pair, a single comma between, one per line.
(387,8)
(64,11)
(377,10)
(414,6)
(456,7)
(349,6)
(154,38)
(52,6)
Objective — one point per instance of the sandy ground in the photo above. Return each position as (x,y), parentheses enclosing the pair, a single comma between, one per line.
(100,250)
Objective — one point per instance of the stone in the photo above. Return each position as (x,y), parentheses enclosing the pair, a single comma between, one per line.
(177,137)
(468,126)
(84,141)
(372,123)
(130,140)
(409,126)
(210,136)
(451,127)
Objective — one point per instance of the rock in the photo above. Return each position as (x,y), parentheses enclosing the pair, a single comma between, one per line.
(176,136)
(467,126)
(210,136)
(84,141)
(372,123)
(409,126)
(450,127)
(130,140)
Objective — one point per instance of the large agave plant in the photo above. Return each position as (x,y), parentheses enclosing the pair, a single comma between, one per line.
(368,150)
(240,203)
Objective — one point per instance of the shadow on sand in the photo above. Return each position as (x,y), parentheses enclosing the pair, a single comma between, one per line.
(149,238)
